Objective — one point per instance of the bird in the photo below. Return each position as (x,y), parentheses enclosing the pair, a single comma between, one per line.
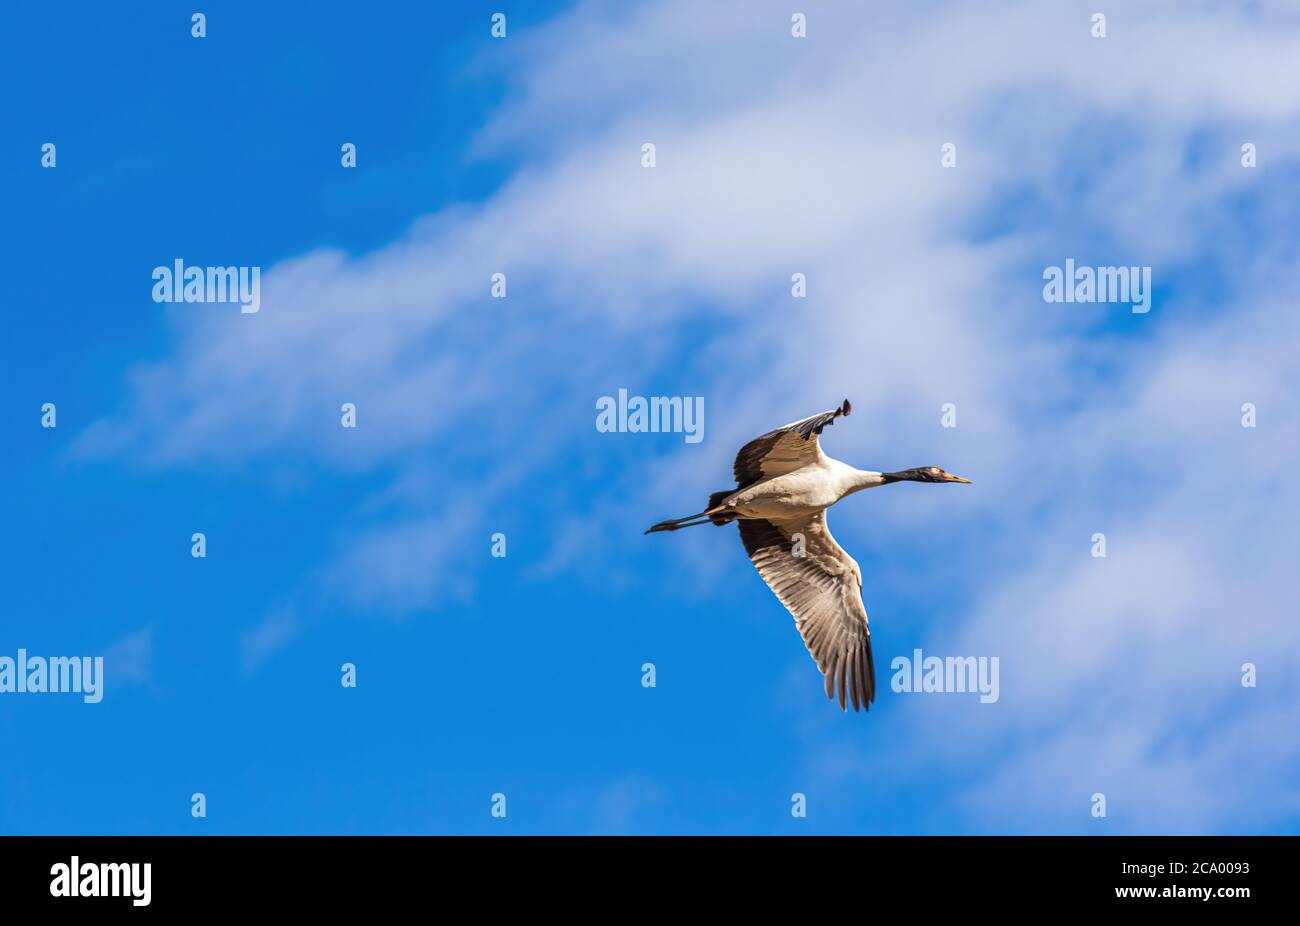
(784,484)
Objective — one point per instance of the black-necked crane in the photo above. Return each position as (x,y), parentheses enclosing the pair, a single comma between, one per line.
(784,484)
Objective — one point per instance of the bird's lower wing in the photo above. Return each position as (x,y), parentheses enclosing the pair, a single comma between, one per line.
(822,590)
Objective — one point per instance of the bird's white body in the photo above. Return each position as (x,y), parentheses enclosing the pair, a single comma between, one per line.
(806,491)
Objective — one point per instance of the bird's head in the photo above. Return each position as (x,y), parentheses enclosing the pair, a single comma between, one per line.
(923,474)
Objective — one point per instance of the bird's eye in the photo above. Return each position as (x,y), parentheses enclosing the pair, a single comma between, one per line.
(935,470)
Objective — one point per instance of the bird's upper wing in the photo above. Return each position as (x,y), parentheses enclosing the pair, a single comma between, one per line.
(785,449)
(823,590)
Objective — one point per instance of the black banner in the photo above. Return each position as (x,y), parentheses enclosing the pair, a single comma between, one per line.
(220,874)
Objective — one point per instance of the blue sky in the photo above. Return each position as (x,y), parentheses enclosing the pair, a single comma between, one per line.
(522,675)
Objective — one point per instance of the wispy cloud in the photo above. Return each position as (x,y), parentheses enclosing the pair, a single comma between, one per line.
(257,644)
(129,660)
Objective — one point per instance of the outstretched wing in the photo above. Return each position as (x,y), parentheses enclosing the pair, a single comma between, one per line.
(785,449)
(823,590)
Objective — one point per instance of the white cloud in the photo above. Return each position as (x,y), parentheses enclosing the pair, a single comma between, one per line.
(128,660)
(405,565)
(276,630)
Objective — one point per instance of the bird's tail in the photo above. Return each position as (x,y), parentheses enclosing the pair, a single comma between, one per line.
(708,515)
(714,501)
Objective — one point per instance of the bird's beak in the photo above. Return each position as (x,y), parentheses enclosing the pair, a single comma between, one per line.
(951,478)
